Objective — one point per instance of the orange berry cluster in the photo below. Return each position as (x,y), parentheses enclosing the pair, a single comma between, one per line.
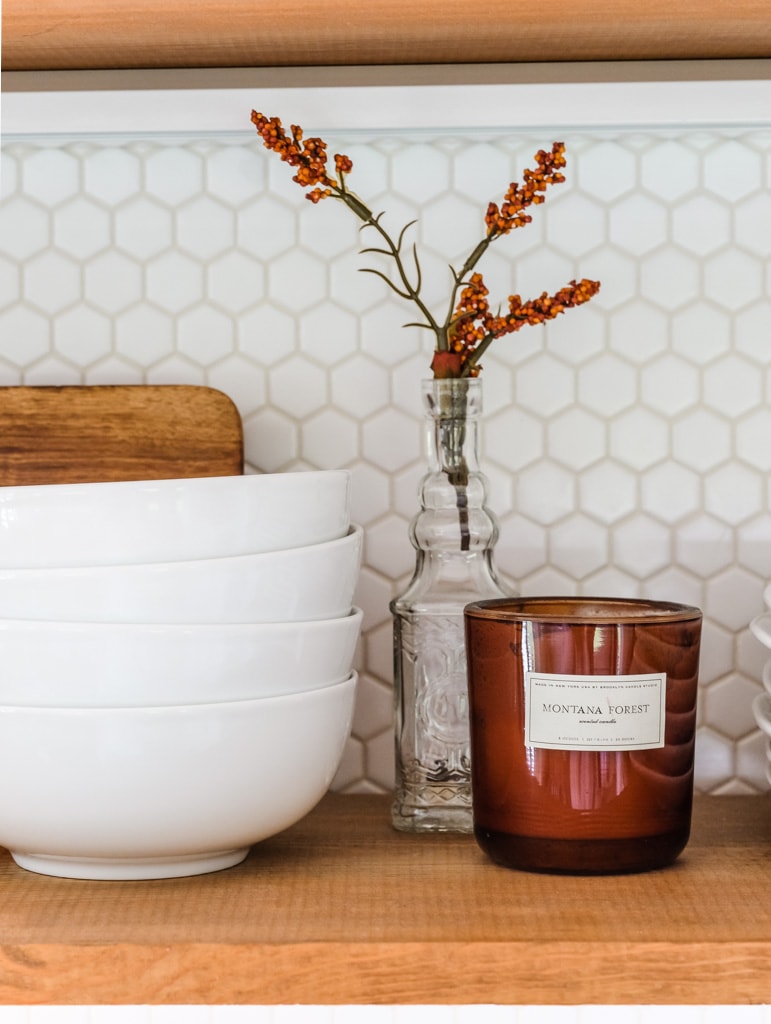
(510,214)
(309,156)
(473,322)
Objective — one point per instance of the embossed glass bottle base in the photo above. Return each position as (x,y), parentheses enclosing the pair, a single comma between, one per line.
(433,768)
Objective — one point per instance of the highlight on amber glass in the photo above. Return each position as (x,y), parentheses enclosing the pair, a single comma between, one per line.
(469,325)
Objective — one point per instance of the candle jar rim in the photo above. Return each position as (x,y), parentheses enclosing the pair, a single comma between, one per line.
(582,610)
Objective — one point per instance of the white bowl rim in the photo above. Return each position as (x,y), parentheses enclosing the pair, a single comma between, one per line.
(354,534)
(227,628)
(150,710)
(197,482)
(761,708)
(760,627)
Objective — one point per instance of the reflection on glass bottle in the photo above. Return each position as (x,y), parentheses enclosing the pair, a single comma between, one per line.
(454,535)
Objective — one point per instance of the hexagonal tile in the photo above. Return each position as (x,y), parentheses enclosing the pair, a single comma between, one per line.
(751,329)
(10,283)
(578,226)
(728,705)
(420,172)
(174,281)
(544,385)
(638,332)
(576,439)
(701,333)
(717,653)
(50,175)
(328,333)
(578,546)
(673,584)
(112,175)
(607,385)
(173,174)
(51,282)
(82,335)
(669,278)
(24,228)
(143,228)
(391,440)
(372,595)
(483,170)
(144,334)
(271,440)
(606,170)
(701,440)
(267,334)
(386,551)
(298,387)
(447,223)
(81,228)
(713,760)
(752,439)
(641,545)
(522,547)
(732,170)
(112,282)
(670,491)
(235,173)
(359,386)
(329,439)
(733,493)
(235,281)
(701,224)
(704,545)
(383,336)
(205,227)
(669,170)
(638,225)
(514,439)
(242,381)
(25,333)
(753,545)
(370,493)
(752,761)
(9,175)
(639,438)
(734,279)
(669,385)
(733,598)
(205,334)
(297,280)
(546,492)
(750,219)
(607,491)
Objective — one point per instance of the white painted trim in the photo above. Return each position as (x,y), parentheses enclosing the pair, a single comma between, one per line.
(593,95)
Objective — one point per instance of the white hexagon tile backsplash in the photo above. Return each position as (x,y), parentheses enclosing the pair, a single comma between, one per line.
(628,444)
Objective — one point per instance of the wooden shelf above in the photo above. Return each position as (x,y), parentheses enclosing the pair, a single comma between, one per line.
(58,34)
(341,909)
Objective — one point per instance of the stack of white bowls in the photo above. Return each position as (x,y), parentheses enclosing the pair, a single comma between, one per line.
(176,667)
(761,705)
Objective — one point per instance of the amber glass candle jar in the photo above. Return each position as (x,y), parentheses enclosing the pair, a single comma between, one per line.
(583,715)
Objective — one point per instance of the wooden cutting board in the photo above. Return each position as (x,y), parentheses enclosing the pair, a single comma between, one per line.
(117,432)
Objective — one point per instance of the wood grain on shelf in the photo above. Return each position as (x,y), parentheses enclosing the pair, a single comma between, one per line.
(117,432)
(342,909)
(57,34)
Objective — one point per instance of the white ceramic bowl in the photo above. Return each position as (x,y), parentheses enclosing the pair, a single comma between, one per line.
(86,664)
(164,792)
(761,708)
(170,520)
(767,675)
(315,582)
(760,627)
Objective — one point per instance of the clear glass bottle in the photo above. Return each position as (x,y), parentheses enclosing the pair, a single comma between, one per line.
(454,534)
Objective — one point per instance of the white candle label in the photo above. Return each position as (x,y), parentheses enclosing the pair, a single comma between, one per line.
(595,712)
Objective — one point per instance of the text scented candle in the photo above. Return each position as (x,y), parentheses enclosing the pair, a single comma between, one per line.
(583,715)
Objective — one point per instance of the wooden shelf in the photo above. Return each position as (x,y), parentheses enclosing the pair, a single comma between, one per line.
(342,909)
(57,34)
